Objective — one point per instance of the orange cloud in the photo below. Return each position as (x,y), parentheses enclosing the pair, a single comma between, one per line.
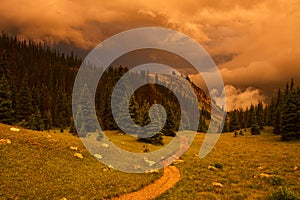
(256,42)
(236,98)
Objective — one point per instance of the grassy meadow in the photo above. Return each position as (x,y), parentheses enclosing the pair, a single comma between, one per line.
(242,158)
(41,165)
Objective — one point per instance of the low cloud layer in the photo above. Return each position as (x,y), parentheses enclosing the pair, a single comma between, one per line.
(256,43)
(236,98)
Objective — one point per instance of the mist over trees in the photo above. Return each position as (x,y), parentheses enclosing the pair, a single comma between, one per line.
(282,113)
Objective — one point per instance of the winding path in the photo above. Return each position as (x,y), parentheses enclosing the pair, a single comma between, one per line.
(170,177)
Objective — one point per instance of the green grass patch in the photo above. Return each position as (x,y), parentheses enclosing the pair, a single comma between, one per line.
(41,165)
(283,194)
(242,158)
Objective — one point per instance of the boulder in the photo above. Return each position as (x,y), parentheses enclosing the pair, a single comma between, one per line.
(212,168)
(78,155)
(98,156)
(5,141)
(263,175)
(104,145)
(14,129)
(74,148)
(217,184)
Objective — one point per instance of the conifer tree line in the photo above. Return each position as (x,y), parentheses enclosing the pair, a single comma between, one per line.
(282,113)
(141,101)
(36,85)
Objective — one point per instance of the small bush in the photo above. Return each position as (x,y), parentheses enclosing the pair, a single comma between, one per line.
(283,194)
(241,133)
(155,139)
(235,133)
(218,165)
(255,131)
(277,181)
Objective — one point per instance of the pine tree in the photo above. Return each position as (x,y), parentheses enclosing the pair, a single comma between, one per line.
(4,66)
(170,125)
(123,111)
(62,110)
(88,110)
(277,118)
(143,118)
(267,115)
(225,126)
(254,125)
(6,95)
(260,115)
(291,117)
(248,115)
(278,121)
(6,103)
(24,103)
(80,123)
(133,109)
(234,123)
(35,121)
(155,123)
(72,128)
(48,120)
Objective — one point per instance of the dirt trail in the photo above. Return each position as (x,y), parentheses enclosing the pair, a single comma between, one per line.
(170,177)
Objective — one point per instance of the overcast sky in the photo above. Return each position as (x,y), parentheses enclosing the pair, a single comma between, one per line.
(255,43)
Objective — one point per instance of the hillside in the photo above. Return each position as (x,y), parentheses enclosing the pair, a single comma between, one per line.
(41,165)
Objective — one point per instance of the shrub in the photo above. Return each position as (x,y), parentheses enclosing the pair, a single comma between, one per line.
(255,131)
(218,165)
(241,133)
(235,133)
(283,194)
(155,139)
(276,180)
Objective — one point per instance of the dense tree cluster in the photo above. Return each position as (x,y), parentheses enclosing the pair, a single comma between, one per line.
(36,85)
(283,113)
(142,100)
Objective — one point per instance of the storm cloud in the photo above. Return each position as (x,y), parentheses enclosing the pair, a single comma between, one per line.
(255,43)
